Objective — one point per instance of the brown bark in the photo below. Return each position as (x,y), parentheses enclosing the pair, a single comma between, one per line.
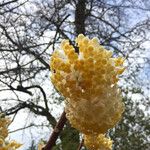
(80,17)
(59,126)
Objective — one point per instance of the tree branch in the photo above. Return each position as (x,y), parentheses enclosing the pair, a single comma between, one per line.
(80,16)
(81,144)
(39,110)
(6,3)
(59,126)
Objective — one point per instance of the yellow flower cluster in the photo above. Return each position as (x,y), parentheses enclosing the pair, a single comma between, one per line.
(4,122)
(88,80)
(5,145)
(99,142)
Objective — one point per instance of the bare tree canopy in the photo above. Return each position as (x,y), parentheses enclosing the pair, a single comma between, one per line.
(29,32)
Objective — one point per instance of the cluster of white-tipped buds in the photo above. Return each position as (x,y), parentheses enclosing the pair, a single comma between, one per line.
(88,80)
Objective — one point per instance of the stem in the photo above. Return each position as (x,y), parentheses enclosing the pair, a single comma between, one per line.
(81,144)
(80,16)
(59,126)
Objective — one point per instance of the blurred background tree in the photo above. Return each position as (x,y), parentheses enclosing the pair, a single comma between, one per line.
(29,32)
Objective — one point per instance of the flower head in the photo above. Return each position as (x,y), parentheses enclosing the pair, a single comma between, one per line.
(99,142)
(88,80)
(4,122)
(4,144)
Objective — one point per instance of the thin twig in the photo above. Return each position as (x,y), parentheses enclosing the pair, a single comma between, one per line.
(81,144)
(59,126)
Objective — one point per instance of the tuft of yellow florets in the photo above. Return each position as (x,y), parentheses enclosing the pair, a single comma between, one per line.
(6,145)
(4,122)
(88,80)
(99,142)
